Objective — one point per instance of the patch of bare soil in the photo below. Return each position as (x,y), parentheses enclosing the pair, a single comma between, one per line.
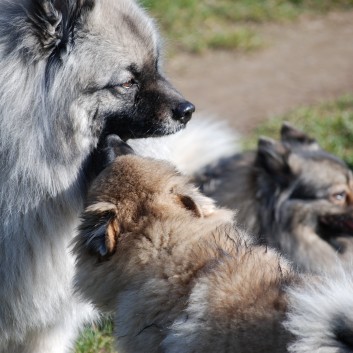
(305,63)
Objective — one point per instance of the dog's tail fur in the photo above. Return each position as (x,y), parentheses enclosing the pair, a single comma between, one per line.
(321,315)
(203,141)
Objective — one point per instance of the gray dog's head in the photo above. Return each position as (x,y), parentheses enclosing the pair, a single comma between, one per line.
(94,63)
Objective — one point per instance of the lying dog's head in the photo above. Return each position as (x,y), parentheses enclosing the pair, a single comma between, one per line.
(95,66)
(291,193)
(298,167)
(296,170)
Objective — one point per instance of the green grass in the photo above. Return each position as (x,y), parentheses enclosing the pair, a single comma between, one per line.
(194,25)
(97,339)
(330,123)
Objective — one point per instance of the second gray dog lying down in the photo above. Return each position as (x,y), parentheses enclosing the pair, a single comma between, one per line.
(178,274)
(293,194)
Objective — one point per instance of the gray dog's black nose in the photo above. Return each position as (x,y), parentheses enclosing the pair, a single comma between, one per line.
(183,112)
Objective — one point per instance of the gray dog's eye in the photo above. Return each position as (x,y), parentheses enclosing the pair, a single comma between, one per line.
(129,84)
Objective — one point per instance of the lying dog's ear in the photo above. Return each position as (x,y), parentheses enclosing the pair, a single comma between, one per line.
(100,229)
(296,138)
(272,156)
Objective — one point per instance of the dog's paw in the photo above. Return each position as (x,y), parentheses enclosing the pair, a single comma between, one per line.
(111,147)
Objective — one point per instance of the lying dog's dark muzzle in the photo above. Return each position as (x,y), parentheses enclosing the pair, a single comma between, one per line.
(334,228)
(338,223)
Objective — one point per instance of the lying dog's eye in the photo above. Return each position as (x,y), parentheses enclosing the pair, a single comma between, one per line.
(339,197)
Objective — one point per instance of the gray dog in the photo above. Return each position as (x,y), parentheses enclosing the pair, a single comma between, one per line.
(71,73)
(293,194)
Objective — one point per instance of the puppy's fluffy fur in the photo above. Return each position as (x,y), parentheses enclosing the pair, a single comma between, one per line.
(174,268)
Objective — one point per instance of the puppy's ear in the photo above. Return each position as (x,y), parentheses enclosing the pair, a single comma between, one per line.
(194,201)
(188,203)
(99,229)
(272,157)
(296,138)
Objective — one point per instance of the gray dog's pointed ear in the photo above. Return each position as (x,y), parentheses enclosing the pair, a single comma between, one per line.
(99,229)
(51,23)
(296,138)
(46,23)
(272,157)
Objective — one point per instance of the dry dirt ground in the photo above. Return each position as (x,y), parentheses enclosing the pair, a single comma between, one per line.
(304,63)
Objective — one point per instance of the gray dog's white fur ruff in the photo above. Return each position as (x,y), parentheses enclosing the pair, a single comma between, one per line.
(204,141)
